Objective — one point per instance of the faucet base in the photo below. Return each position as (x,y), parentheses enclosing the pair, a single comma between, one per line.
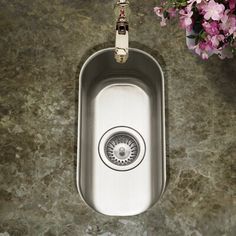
(121,55)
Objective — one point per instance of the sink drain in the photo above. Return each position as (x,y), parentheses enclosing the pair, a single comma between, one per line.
(122,148)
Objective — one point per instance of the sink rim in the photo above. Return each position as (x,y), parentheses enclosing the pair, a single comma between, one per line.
(163,128)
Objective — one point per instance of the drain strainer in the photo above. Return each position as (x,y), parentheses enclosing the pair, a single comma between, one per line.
(122,148)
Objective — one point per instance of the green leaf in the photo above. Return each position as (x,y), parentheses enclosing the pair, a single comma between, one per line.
(203,35)
(166,14)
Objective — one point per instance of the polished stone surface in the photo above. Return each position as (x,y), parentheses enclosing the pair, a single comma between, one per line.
(42,45)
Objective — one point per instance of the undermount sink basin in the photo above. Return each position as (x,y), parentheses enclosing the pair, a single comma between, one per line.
(121,165)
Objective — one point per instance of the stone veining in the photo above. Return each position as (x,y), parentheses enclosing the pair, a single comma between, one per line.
(42,44)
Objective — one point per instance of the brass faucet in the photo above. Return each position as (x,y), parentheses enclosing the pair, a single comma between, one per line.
(122,31)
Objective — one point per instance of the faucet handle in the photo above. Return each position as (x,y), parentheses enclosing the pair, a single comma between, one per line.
(122,9)
(122,2)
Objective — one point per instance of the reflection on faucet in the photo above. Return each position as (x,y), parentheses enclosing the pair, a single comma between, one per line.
(122,32)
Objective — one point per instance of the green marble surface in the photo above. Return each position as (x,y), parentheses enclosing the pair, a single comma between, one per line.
(42,44)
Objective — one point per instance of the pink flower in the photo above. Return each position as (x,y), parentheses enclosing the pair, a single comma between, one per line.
(232,4)
(204,49)
(211,28)
(212,22)
(228,24)
(186,18)
(159,12)
(200,6)
(225,16)
(213,10)
(172,12)
(216,39)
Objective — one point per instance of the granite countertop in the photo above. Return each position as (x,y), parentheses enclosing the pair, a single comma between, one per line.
(42,45)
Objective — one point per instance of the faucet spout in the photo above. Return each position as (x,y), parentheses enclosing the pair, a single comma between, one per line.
(122,32)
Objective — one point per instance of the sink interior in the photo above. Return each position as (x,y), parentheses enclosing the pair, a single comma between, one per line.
(121,167)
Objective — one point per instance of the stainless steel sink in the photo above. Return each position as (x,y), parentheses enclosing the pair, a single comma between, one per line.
(121,166)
